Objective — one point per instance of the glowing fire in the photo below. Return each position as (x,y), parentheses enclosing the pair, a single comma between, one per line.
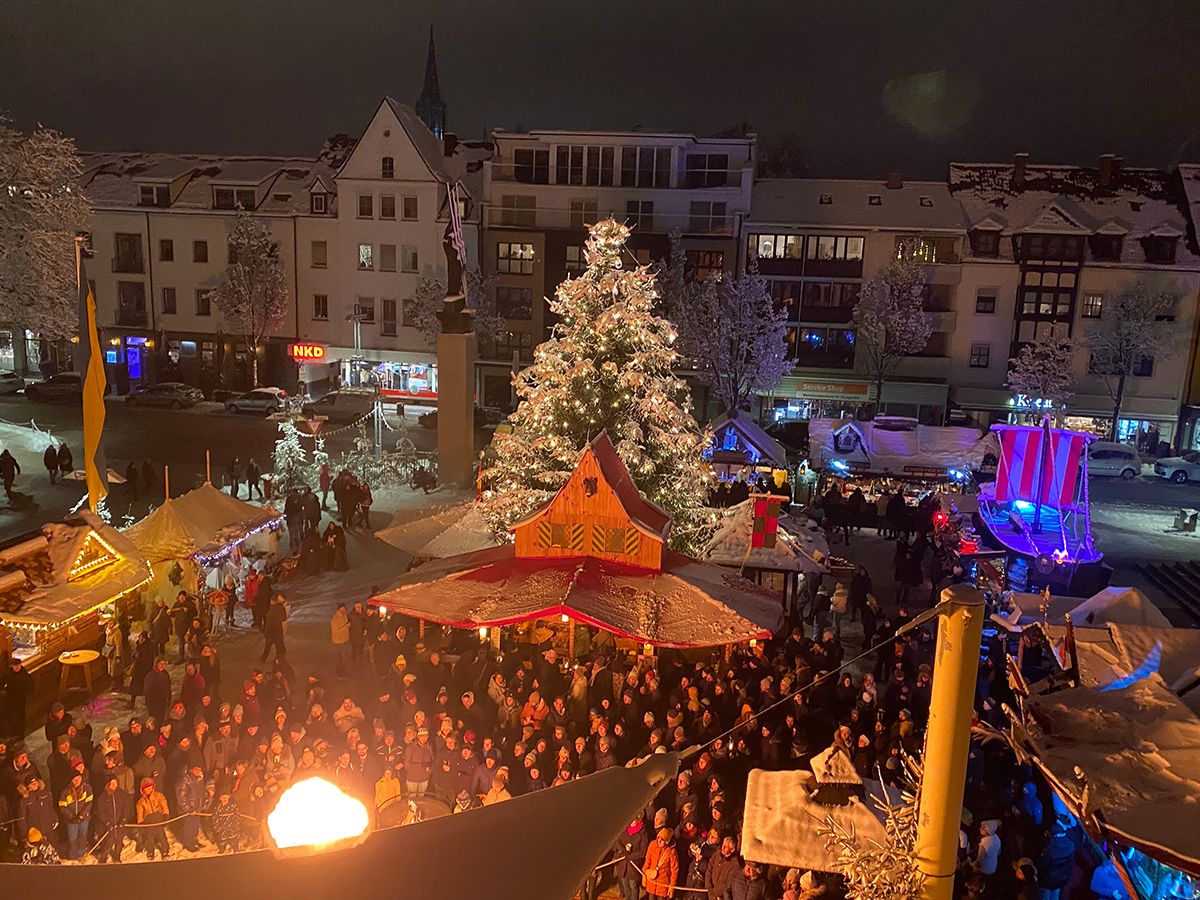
(314,813)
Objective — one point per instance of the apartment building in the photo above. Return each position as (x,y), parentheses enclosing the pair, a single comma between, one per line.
(818,241)
(1047,247)
(542,190)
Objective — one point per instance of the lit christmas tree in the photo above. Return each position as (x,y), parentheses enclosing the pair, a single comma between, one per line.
(290,459)
(607,367)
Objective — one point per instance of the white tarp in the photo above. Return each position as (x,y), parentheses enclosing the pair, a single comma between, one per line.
(446,531)
(872,447)
(801,545)
(1121,605)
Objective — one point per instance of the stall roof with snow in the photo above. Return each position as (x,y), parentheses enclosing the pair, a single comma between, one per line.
(595,552)
(65,570)
(446,531)
(801,545)
(1122,605)
(202,523)
(898,447)
(740,441)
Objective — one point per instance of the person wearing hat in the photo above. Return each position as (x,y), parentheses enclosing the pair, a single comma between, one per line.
(38,850)
(152,812)
(418,764)
(75,807)
(37,809)
(190,799)
(660,869)
(388,794)
(629,851)
(465,801)
(226,820)
(748,883)
(112,811)
(18,686)
(498,792)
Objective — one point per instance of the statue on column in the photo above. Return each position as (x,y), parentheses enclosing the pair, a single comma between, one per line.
(454,314)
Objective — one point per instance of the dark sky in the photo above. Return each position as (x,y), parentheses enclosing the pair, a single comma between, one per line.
(868,86)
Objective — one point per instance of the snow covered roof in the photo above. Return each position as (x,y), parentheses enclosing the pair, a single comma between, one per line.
(687,604)
(65,570)
(885,446)
(445,531)
(769,448)
(801,544)
(842,203)
(1124,605)
(200,522)
(833,766)
(1137,202)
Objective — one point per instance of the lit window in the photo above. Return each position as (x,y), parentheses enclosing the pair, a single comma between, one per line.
(985,301)
(980,356)
(1093,306)
(514,259)
(320,309)
(366,256)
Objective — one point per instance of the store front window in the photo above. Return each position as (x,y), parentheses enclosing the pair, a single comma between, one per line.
(414,380)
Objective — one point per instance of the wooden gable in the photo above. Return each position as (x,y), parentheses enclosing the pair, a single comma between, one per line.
(591,516)
(94,553)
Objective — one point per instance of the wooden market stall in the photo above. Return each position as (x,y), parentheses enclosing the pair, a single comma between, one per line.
(58,585)
(187,538)
(740,445)
(595,555)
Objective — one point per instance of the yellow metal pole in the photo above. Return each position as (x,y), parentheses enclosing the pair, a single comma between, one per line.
(947,738)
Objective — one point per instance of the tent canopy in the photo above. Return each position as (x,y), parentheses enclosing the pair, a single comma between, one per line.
(739,435)
(201,522)
(687,604)
(888,446)
(800,546)
(446,531)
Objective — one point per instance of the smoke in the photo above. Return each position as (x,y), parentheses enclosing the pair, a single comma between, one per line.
(933,104)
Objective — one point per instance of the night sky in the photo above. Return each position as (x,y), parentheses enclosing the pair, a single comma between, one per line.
(868,87)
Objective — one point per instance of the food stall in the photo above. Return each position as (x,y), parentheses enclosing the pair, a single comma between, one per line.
(59,584)
(739,445)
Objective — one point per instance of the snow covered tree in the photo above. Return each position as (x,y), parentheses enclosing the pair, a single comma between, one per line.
(421,310)
(290,459)
(41,211)
(253,295)
(607,367)
(320,457)
(731,330)
(891,319)
(1042,371)
(1137,325)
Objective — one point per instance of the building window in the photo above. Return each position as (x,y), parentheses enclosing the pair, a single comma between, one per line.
(231,253)
(708,217)
(514,259)
(128,253)
(320,308)
(583,213)
(1056,247)
(1159,250)
(702,170)
(319,251)
(366,257)
(234,198)
(1048,293)
(1106,247)
(168,300)
(1144,367)
(166,250)
(154,195)
(640,214)
(574,258)
(825,200)
(318,203)
(387,326)
(199,251)
(831,247)
(777,246)
(364,308)
(514,303)
(409,209)
(831,348)
(387,257)
(985,300)
(203,302)
(985,243)
(614,540)
(927,249)
(1093,306)
(646,167)
(531,166)
(518,210)
(387,206)
(875,200)
(577,164)
(829,295)
(981,355)
(514,342)
(408,258)
(366,206)
(701,265)
(387,167)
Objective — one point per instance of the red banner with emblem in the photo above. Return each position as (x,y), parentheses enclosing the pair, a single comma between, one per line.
(766,522)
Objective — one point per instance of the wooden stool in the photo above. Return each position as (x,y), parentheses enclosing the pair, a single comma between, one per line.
(70,659)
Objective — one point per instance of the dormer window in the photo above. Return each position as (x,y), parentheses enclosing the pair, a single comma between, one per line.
(233,198)
(985,243)
(1105,247)
(154,195)
(387,167)
(927,201)
(826,200)
(319,203)
(1160,248)
(875,200)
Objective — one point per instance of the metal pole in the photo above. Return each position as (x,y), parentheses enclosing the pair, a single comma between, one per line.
(947,738)
(378,429)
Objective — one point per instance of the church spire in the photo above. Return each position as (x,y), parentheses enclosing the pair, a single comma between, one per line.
(430,107)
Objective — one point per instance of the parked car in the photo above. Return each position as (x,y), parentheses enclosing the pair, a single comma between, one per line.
(62,388)
(483,418)
(1107,458)
(1181,468)
(10,383)
(343,406)
(169,394)
(263,399)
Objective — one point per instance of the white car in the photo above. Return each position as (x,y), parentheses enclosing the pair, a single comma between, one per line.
(264,399)
(10,383)
(1113,459)
(1181,468)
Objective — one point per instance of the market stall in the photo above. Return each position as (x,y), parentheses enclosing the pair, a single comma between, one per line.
(445,531)
(594,555)
(59,584)
(740,446)
(189,539)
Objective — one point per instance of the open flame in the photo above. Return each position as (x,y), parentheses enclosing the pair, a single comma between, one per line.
(316,813)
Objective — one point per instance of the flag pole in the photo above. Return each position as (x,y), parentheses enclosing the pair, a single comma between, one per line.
(208,466)
(166,483)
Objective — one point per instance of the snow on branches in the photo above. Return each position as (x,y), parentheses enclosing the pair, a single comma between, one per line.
(606,367)
(41,211)
(891,319)
(253,295)
(1042,371)
(423,307)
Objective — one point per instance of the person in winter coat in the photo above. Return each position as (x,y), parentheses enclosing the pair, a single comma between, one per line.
(388,792)
(630,850)
(253,479)
(418,764)
(18,686)
(190,797)
(152,810)
(38,850)
(339,636)
(159,627)
(66,462)
(988,855)
(839,604)
(37,809)
(111,813)
(50,461)
(226,821)
(660,869)
(273,628)
(326,482)
(721,869)
(75,806)
(498,792)
(747,884)
(9,470)
(158,690)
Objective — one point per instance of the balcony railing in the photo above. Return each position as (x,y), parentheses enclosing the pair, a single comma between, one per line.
(563,219)
(508,173)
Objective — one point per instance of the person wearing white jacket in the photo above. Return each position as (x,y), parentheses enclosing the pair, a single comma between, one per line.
(839,604)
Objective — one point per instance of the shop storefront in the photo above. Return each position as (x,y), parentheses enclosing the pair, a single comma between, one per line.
(816,398)
(402,374)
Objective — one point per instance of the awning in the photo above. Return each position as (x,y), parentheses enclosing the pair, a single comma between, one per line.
(687,604)
(201,522)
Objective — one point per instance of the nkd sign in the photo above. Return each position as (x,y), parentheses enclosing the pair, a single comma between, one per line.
(305,352)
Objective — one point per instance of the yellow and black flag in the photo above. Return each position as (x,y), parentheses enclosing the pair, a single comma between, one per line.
(90,364)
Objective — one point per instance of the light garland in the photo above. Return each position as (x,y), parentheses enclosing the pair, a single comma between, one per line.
(209,560)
